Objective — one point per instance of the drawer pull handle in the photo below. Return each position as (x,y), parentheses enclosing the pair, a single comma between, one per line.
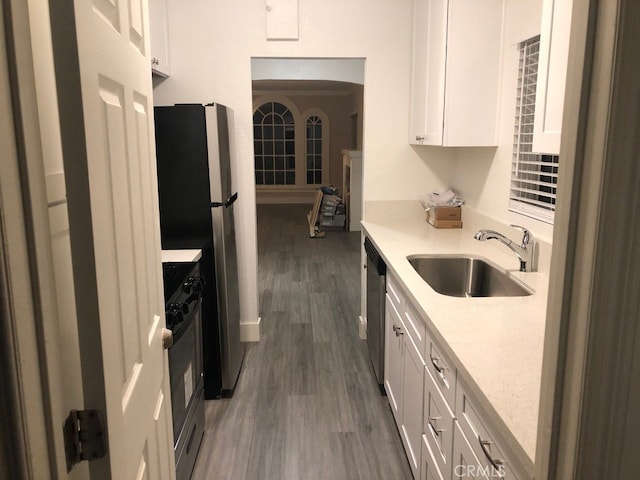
(495,463)
(435,362)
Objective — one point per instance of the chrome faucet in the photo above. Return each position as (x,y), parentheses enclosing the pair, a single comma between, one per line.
(526,251)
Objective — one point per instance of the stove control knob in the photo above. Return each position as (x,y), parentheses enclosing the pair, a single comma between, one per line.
(198,285)
(175,314)
(187,286)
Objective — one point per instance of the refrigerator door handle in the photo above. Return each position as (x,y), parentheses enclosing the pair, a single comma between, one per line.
(230,200)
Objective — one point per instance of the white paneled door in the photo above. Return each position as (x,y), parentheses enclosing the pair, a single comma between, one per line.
(115,235)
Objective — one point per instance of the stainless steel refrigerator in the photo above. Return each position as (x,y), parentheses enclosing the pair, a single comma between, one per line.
(197,201)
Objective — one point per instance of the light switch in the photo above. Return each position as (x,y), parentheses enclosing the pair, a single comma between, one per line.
(282,19)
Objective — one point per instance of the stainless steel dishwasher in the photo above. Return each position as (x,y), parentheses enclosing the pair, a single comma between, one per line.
(376,290)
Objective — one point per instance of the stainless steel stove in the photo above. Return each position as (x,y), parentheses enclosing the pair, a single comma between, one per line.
(183,287)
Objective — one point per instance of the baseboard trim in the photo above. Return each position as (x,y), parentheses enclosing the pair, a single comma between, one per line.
(362,327)
(250,332)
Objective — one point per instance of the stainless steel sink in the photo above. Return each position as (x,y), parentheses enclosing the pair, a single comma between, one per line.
(465,276)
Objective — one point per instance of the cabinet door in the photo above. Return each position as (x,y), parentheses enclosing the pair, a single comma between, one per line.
(428,75)
(492,459)
(437,425)
(159,37)
(393,352)
(474,37)
(412,402)
(465,463)
(429,469)
(552,75)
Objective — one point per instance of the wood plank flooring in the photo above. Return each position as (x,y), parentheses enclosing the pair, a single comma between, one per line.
(306,405)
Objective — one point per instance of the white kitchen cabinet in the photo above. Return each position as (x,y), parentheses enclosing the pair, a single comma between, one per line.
(437,425)
(412,403)
(403,375)
(159,38)
(429,469)
(443,373)
(552,75)
(467,464)
(455,72)
(444,434)
(393,359)
(491,452)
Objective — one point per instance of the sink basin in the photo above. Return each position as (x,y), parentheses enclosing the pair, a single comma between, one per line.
(465,276)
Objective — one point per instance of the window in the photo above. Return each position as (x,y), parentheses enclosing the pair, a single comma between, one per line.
(291,148)
(314,150)
(534,176)
(274,145)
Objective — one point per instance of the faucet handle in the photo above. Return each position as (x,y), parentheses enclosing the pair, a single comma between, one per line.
(527,236)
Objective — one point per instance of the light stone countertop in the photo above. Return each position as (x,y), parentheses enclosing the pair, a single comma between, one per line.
(185,255)
(495,343)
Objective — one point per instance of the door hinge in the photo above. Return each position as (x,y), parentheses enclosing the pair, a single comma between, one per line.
(85,436)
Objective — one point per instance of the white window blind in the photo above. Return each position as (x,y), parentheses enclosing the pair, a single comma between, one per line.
(534,176)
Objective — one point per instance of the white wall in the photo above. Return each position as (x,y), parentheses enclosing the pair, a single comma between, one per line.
(349,70)
(482,176)
(211,46)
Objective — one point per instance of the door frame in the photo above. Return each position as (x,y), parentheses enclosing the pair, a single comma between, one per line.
(27,263)
(587,425)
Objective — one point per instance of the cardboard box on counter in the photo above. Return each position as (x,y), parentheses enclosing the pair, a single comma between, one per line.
(445,223)
(444,213)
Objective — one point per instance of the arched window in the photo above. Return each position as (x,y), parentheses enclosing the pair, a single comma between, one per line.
(314,150)
(274,145)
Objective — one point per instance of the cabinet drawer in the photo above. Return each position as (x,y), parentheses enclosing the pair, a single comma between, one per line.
(394,293)
(443,373)
(429,469)
(416,327)
(491,457)
(464,460)
(437,424)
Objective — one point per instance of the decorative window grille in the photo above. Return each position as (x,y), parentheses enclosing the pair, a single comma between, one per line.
(274,145)
(534,176)
(314,150)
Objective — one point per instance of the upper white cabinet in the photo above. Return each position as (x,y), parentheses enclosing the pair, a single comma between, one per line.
(159,38)
(455,72)
(552,75)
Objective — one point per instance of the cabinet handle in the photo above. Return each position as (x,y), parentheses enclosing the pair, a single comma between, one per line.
(433,423)
(398,330)
(495,463)
(434,362)
(155,61)
(419,138)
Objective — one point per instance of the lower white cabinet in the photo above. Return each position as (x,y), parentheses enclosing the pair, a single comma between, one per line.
(491,454)
(437,424)
(429,468)
(412,402)
(403,380)
(444,435)
(393,359)
(465,462)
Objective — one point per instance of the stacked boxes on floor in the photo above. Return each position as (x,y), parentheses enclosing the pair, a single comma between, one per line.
(445,217)
(332,212)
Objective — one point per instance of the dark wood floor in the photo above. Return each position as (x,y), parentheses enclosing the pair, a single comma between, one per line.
(306,405)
